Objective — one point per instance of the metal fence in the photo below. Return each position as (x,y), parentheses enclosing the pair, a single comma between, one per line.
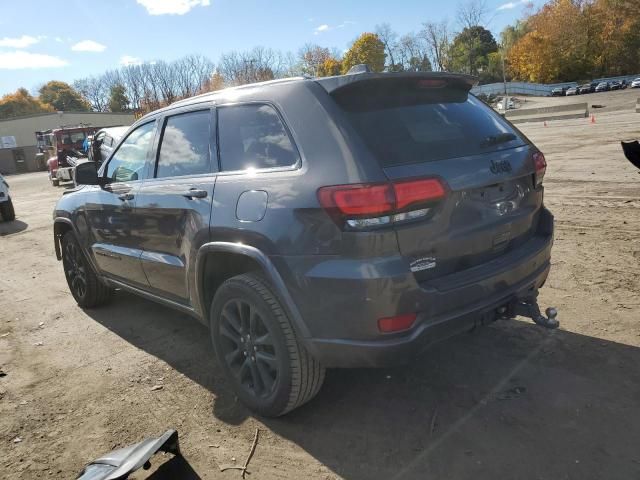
(536,89)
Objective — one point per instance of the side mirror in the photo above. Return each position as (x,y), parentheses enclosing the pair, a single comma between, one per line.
(87,174)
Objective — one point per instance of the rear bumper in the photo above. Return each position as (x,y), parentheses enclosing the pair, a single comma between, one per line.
(64,173)
(341,300)
(399,350)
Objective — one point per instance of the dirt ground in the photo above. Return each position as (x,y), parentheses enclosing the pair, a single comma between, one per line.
(509,401)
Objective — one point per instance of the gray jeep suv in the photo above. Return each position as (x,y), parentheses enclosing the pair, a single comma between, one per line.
(346,221)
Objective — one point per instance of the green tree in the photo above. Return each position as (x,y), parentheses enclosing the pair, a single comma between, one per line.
(470,50)
(367,48)
(118,101)
(63,97)
(21,103)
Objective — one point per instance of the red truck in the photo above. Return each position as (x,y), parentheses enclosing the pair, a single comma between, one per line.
(61,146)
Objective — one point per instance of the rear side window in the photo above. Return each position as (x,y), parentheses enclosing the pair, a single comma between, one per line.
(184,148)
(253,137)
(408,125)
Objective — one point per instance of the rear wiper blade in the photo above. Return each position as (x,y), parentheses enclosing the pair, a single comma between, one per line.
(497,139)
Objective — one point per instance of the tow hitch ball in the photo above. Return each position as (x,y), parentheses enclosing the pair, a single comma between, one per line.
(528,307)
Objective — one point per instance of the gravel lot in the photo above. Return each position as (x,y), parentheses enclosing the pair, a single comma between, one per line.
(510,401)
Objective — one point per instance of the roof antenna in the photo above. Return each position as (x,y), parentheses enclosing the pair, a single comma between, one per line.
(360,68)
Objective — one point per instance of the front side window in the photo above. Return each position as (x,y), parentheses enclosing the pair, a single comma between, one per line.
(128,162)
(184,149)
(253,137)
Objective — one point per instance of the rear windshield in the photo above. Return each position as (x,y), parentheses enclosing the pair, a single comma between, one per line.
(416,126)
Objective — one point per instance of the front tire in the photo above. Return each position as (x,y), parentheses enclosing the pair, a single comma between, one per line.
(270,370)
(84,284)
(7,211)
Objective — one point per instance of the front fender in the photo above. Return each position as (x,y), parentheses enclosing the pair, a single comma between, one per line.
(268,269)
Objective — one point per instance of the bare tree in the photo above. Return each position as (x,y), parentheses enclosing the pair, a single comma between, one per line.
(412,53)
(436,36)
(256,65)
(310,57)
(95,90)
(390,40)
(472,13)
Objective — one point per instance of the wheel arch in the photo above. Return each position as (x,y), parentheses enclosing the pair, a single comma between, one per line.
(216,262)
(60,227)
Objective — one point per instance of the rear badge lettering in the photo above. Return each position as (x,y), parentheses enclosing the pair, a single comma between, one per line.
(424,263)
(500,166)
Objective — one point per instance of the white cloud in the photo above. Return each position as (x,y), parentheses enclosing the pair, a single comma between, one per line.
(511,5)
(88,46)
(20,60)
(325,28)
(127,60)
(171,7)
(21,42)
(322,28)
(58,39)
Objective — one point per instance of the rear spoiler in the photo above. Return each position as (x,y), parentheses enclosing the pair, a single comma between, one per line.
(455,80)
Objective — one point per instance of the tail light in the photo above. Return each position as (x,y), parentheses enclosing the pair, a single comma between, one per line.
(362,206)
(541,167)
(397,323)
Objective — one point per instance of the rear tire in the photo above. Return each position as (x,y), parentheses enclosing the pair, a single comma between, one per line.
(257,348)
(84,284)
(7,211)
(55,182)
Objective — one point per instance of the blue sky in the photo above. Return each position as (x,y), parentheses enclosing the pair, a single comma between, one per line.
(41,40)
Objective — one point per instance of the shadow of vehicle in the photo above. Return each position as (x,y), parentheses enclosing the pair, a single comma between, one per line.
(14,226)
(510,400)
(175,468)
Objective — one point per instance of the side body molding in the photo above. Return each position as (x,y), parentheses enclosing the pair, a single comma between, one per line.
(269,270)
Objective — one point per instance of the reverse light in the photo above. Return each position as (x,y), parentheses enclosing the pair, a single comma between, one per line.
(362,206)
(540,166)
(397,323)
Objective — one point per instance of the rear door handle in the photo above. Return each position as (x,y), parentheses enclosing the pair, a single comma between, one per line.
(195,193)
(126,196)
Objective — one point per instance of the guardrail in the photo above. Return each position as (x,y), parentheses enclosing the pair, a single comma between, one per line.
(555,112)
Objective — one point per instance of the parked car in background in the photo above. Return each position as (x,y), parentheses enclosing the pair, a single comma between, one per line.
(615,85)
(509,104)
(587,88)
(6,204)
(635,83)
(316,181)
(559,92)
(572,91)
(603,87)
(103,143)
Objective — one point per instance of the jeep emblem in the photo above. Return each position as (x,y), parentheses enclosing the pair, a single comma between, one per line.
(500,166)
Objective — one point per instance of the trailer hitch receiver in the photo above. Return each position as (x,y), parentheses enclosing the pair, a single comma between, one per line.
(528,307)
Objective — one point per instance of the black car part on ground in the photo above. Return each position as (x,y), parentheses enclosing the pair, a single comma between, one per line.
(118,464)
(632,152)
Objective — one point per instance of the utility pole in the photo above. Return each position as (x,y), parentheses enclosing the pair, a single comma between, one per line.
(505,102)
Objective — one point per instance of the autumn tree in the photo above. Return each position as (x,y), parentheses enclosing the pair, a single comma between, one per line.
(21,103)
(368,49)
(62,97)
(330,67)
